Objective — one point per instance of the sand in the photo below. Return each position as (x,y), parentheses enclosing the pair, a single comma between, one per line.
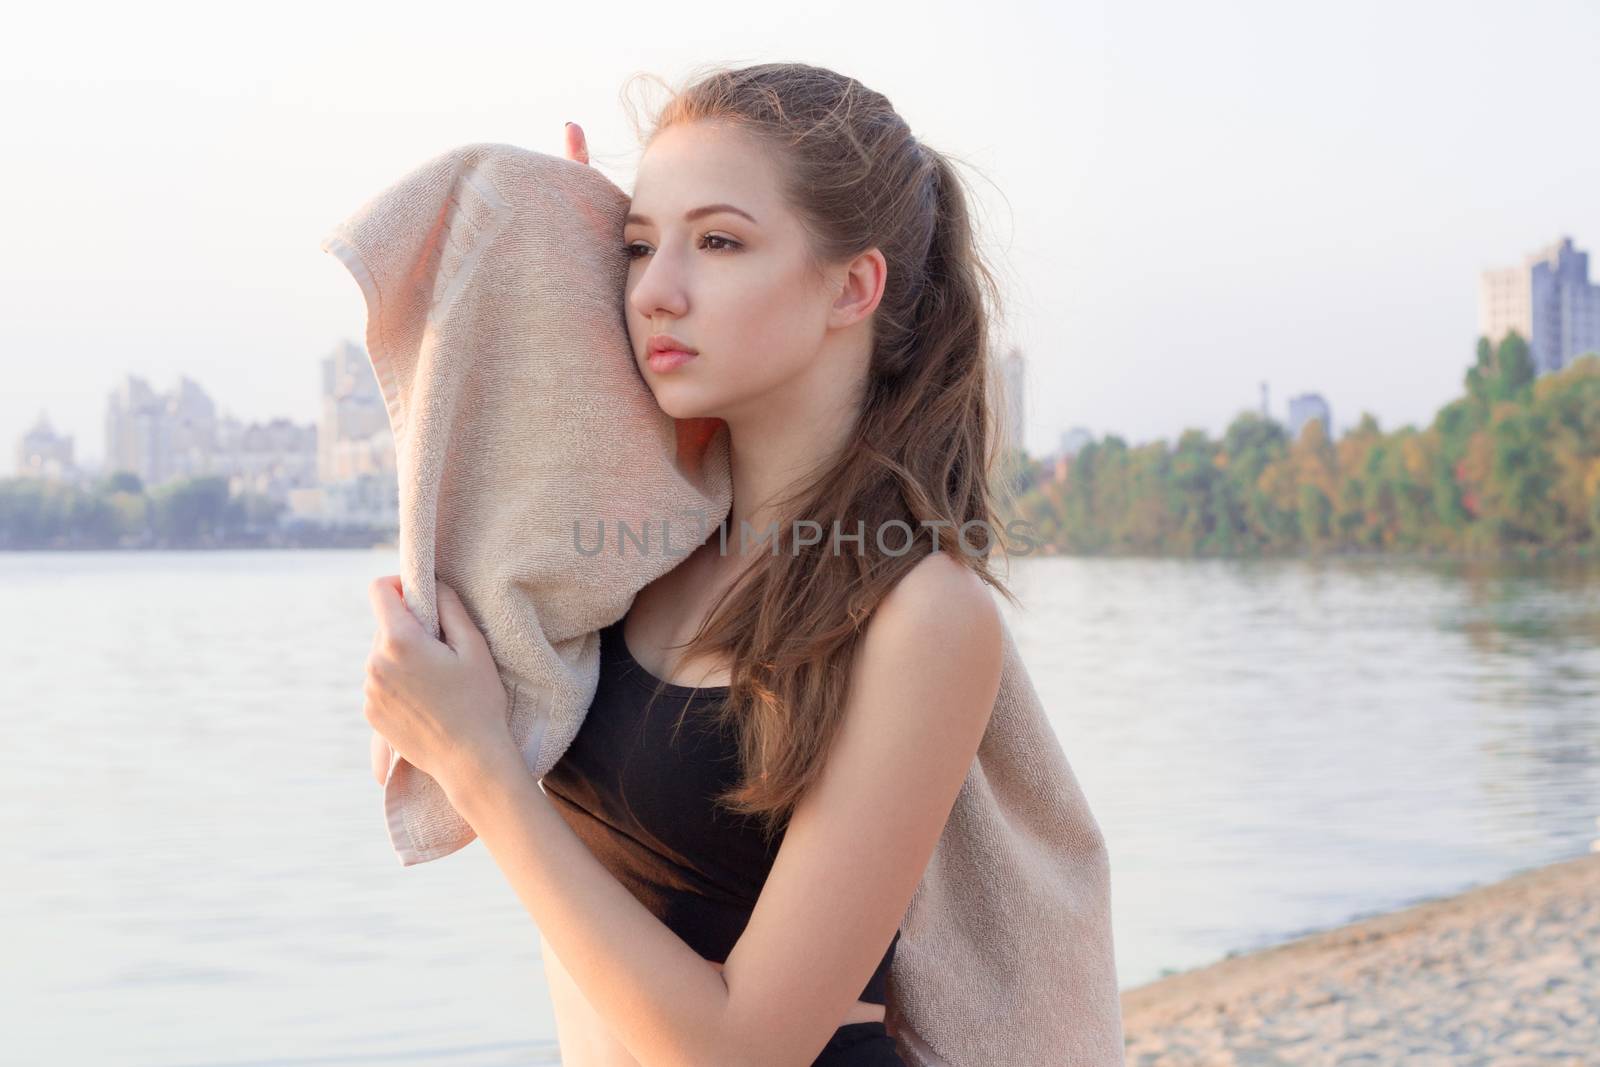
(1506,974)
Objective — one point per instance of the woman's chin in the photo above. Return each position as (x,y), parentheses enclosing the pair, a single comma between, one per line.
(673,403)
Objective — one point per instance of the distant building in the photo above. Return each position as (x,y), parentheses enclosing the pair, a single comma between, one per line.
(1074,439)
(365,500)
(1548,300)
(43,453)
(1304,408)
(354,437)
(270,459)
(1014,383)
(161,436)
(356,462)
(133,416)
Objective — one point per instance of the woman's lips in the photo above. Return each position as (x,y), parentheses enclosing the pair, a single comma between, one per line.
(668,359)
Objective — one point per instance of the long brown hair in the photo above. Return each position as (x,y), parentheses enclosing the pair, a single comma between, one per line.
(925,446)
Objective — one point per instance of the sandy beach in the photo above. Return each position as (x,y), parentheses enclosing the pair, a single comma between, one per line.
(1506,974)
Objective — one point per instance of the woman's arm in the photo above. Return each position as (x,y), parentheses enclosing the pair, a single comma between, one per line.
(922,688)
(662,999)
(853,854)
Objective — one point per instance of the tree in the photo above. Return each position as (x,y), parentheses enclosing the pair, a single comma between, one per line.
(1252,443)
(1521,475)
(1569,403)
(121,481)
(1194,472)
(1478,375)
(192,512)
(1514,370)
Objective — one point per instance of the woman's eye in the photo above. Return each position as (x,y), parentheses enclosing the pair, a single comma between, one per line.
(635,249)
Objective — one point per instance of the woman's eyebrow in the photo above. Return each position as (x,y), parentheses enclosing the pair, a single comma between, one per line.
(690,216)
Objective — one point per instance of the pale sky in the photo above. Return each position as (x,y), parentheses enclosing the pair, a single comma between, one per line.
(1184,199)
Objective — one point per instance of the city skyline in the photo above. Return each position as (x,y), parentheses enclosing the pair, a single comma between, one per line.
(165,435)
(352,410)
(339,468)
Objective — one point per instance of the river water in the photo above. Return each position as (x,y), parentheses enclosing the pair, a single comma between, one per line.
(197,870)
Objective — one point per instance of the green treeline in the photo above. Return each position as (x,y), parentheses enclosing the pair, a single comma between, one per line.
(1510,468)
(119,512)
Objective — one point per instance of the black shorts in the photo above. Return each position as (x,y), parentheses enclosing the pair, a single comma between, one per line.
(860,1045)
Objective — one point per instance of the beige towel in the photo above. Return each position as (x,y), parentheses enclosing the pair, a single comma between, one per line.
(493,278)
(524,434)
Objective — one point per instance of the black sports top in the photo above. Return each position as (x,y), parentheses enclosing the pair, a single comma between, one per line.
(643,803)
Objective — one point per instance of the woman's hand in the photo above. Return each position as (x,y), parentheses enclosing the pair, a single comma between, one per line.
(440,704)
(577,147)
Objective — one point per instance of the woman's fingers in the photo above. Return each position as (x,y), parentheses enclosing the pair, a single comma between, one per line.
(394,614)
(577,147)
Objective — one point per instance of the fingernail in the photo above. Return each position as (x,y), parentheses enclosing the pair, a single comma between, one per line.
(569,124)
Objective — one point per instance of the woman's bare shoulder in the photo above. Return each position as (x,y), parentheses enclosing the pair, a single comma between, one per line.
(939,582)
(940,620)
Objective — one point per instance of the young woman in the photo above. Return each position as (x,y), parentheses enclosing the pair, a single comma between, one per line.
(719,863)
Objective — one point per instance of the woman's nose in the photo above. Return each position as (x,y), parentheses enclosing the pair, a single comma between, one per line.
(656,289)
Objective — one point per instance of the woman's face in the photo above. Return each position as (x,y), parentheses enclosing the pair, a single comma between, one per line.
(734,283)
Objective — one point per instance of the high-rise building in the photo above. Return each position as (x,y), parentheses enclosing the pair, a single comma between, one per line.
(1548,300)
(1014,385)
(133,412)
(160,436)
(1304,408)
(356,462)
(353,435)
